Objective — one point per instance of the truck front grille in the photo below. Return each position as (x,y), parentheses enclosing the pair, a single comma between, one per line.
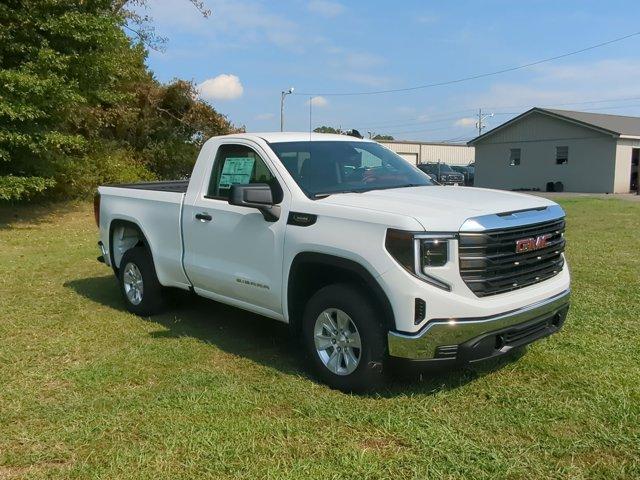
(489,263)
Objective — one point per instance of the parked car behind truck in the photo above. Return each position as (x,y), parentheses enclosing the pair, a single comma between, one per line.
(468,171)
(353,247)
(442,173)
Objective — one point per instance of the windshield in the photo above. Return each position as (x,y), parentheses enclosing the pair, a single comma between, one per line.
(324,167)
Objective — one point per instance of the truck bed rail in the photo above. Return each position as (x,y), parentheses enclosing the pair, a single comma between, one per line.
(178,186)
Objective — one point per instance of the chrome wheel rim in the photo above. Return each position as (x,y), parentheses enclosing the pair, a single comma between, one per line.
(133,285)
(337,341)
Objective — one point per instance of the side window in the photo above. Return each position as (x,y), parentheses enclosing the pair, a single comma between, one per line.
(514,157)
(368,159)
(238,164)
(562,155)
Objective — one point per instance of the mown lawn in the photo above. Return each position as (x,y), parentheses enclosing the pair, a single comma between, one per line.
(89,391)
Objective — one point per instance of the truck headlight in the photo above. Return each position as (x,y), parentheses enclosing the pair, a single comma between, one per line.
(434,252)
(418,253)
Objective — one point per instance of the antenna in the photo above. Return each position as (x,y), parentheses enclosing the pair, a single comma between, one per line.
(310,109)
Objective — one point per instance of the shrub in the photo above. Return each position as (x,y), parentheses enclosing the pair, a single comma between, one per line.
(14,188)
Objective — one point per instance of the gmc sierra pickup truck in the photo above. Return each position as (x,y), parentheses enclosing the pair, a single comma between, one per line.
(353,247)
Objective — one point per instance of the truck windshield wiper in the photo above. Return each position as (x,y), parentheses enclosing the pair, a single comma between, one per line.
(326,194)
(389,187)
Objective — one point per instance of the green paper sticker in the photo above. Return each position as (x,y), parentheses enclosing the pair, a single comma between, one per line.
(236,170)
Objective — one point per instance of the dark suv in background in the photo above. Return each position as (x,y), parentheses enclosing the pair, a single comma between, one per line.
(468,171)
(442,173)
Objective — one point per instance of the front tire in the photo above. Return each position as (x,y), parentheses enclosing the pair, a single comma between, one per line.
(344,339)
(139,285)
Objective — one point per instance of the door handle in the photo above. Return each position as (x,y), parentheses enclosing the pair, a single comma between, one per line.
(203,217)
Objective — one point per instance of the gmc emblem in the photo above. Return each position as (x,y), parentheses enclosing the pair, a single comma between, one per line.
(531,244)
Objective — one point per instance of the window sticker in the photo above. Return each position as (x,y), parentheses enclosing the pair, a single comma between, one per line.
(236,170)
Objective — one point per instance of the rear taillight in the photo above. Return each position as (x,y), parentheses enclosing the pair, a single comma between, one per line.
(96,208)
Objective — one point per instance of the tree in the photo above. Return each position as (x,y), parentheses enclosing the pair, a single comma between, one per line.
(169,126)
(325,129)
(141,25)
(383,137)
(60,61)
(78,106)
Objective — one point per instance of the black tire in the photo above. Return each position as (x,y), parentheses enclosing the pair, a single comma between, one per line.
(369,373)
(152,300)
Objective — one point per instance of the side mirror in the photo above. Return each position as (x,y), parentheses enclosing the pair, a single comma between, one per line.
(256,195)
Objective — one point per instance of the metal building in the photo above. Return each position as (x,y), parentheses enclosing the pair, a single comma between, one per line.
(585,152)
(424,152)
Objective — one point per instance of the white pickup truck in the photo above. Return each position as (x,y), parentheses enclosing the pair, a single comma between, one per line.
(348,243)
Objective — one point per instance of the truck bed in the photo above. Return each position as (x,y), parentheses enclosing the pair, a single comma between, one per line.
(177,186)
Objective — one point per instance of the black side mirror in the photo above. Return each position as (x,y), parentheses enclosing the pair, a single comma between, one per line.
(256,195)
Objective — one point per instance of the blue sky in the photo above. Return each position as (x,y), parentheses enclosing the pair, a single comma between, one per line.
(246,52)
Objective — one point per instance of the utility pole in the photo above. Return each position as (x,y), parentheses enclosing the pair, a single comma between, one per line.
(480,123)
(283,94)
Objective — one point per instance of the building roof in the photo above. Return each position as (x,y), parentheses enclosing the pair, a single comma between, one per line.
(616,125)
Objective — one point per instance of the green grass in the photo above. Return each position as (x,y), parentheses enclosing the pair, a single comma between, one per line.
(89,391)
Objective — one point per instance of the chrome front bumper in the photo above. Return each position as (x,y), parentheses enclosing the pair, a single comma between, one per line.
(479,338)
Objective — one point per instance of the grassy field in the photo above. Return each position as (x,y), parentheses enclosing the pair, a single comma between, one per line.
(207,391)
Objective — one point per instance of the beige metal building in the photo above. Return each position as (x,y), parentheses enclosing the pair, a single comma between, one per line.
(587,152)
(423,152)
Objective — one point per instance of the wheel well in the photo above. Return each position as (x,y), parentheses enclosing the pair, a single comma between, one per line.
(312,271)
(123,236)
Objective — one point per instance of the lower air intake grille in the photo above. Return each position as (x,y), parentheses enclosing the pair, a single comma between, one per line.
(447,351)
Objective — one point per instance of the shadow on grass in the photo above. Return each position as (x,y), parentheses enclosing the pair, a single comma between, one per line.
(260,339)
(14,215)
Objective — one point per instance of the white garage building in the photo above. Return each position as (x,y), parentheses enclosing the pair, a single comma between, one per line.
(424,152)
(586,152)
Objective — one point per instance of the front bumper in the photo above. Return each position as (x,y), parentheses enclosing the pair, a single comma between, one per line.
(468,340)
(452,182)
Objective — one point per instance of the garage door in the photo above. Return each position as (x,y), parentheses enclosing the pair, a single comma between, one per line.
(410,157)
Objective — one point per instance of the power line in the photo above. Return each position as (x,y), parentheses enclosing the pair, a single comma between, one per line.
(422,122)
(588,102)
(439,118)
(475,77)
(615,107)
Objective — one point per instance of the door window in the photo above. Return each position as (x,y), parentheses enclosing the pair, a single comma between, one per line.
(239,165)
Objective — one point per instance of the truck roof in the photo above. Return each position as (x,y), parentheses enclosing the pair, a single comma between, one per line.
(278,137)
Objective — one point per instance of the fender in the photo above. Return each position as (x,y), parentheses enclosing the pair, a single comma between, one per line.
(347,269)
(133,225)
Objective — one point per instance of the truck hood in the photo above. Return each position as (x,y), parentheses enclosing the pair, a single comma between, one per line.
(439,208)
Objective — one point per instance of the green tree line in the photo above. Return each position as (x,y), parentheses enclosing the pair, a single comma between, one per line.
(79,107)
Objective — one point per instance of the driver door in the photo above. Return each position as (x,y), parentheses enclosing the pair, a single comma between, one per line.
(231,253)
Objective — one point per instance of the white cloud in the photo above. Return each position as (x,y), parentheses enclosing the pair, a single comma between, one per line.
(232,24)
(326,8)
(357,67)
(222,87)
(318,102)
(555,85)
(426,18)
(367,79)
(465,122)
(265,116)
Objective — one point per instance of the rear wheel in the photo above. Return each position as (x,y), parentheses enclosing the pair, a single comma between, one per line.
(139,285)
(344,339)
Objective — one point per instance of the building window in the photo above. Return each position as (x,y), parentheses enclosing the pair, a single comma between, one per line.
(562,155)
(514,157)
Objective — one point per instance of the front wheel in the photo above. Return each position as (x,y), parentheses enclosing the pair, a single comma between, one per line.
(344,339)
